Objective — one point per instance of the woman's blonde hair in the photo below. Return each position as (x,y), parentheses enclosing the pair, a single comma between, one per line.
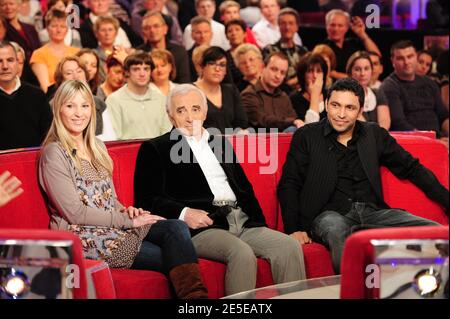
(166,57)
(59,133)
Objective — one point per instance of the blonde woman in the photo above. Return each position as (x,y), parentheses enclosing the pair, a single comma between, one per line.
(165,71)
(249,60)
(76,171)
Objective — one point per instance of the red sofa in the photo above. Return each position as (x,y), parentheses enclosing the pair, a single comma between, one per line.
(29,210)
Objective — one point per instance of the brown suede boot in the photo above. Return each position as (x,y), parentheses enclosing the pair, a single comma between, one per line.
(187,281)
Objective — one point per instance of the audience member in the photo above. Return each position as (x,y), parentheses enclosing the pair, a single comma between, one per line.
(30,12)
(308,102)
(375,108)
(330,58)
(235,32)
(267,31)
(225,109)
(91,63)
(214,197)
(202,35)
(267,106)
(414,101)
(337,23)
(135,110)
(230,10)
(174,33)
(24,73)
(126,37)
(72,37)
(206,9)
(115,78)
(249,60)
(424,63)
(288,22)
(154,30)
(73,161)
(331,185)
(44,60)
(165,71)
(25,114)
(22,33)
(437,14)
(377,71)
(9,188)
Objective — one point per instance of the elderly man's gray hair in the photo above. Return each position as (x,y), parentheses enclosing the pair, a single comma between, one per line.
(183,89)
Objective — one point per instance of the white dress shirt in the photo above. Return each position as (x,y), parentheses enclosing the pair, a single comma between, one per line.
(210,166)
(266,33)
(218,38)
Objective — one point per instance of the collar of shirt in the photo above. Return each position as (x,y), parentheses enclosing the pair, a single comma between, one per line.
(18,84)
(330,131)
(201,143)
(145,97)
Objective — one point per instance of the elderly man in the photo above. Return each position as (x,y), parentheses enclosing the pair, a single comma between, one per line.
(337,23)
(213,197)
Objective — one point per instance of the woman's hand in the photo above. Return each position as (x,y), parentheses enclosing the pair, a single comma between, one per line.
(9,188)
(134,212)
(146,219)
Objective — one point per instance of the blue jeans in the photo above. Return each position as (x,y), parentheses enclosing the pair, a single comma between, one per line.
(167,245)
(332,228)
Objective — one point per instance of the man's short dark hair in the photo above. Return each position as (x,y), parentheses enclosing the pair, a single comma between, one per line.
(278,54)
(212,54)
(348,85)
(238,22)
(403,44)
(138,58)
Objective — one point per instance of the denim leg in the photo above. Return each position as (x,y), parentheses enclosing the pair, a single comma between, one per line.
(174,240)
(392,218)
(331,229)
(149,257)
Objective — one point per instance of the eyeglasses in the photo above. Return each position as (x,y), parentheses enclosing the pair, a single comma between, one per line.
(213,64)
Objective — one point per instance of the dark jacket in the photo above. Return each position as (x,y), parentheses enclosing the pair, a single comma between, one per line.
(165,188)
(30,43)
(310,172)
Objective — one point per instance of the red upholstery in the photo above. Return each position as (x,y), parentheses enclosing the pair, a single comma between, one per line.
(100,275)
(358,252)
(79,292)
(29,210)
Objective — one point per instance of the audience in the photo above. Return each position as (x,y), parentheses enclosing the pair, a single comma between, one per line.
(251,14)
(330,58)
(165,71)
(25,114)
(91,63)
(308,102)
(115,78)
(202,35)
(377,70)
(224,102)
(206,9)
(44,60)
(337,23)
(267,106)
(229,10)
(375,108)
(267,31)
(9,188)
(289,22)
(214,197)
(154,30)
(73,161)
(322,199)
(414,101)
(22,33)
(135,110)
(424,63)
(249,60)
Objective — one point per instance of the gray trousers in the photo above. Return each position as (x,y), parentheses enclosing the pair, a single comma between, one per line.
(239,247)
(332,228)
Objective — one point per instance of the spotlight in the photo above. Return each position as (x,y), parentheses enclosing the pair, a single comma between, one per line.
(427,282)
(16,284)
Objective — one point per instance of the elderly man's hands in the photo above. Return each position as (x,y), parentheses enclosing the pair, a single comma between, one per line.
(197,218)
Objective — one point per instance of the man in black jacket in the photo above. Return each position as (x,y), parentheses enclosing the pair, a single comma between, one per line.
(331,182)
(191,175)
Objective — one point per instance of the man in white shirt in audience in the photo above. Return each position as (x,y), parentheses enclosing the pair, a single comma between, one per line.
(136,111)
